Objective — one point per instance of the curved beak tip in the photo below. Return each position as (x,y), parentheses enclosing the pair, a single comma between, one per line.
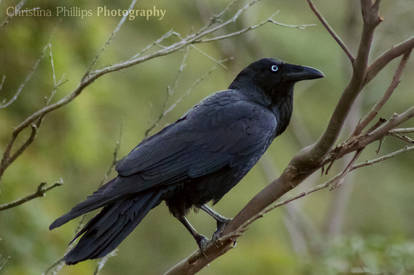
(298,73)
(313,73)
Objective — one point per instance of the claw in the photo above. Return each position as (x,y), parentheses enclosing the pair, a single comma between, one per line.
(221,224)
(202,243)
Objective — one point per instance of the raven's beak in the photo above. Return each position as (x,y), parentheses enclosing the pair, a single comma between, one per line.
(296,73)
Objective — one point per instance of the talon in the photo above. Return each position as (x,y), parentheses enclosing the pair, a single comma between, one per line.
(202,243)
(221,224)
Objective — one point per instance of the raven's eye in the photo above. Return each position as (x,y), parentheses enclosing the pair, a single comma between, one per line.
(274,68)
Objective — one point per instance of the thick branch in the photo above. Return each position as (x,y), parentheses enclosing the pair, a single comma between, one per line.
(359,142)
(316,152)
(387,57)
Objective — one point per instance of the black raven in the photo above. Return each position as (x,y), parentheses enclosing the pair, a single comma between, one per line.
(197,159)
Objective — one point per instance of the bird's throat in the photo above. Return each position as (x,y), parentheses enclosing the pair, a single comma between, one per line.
(282,107)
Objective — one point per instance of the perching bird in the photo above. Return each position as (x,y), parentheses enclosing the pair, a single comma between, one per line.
(197,159)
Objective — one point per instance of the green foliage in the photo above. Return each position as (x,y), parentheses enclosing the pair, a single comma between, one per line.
(376,254)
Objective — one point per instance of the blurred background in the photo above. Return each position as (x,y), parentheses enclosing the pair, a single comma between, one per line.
(366,226)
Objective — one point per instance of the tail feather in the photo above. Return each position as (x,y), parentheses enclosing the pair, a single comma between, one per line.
(106,194)
(92,202)
(111,226)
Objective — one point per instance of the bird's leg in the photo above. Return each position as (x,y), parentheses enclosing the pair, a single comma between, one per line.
(221,220)
(200,239)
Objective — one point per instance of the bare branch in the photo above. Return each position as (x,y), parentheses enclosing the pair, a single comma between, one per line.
(395,120)
(3,261)
(17,9)
(403,138)
(52,64)
(111,37)
(27,79)
(250,28)
(337,178)
(56,84)
(303,233)
(188,40)
(102,262)
(378,133)
(382,158)
(331,31)
(221,13)
(3,79)
(40,192)
(403,130)
(387,57)
(155,43)
(195,84)
(377,107)
(352,90)
(170,91)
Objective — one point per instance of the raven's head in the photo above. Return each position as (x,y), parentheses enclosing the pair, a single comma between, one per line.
(273,76)
(270,82)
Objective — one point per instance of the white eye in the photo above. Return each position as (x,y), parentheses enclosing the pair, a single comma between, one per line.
(274,68)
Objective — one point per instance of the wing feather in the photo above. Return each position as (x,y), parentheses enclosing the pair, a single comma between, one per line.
(210,137)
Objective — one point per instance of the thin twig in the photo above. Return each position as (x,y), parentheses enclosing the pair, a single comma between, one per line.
(190,39)
(195,84)
(252,27)
(331,31)
(27,79)
(390,90)
(111,37)
(393,122)
(154,43)
(303,232)
(200,51)
(329,183)
(378,133)
(402,137)
(102,261)
(17,9)
(56,84)
(382,158)
(40,192)
(170,91)
(340,175)
(3,261)
(221,13)
(3,79)
(403,130)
